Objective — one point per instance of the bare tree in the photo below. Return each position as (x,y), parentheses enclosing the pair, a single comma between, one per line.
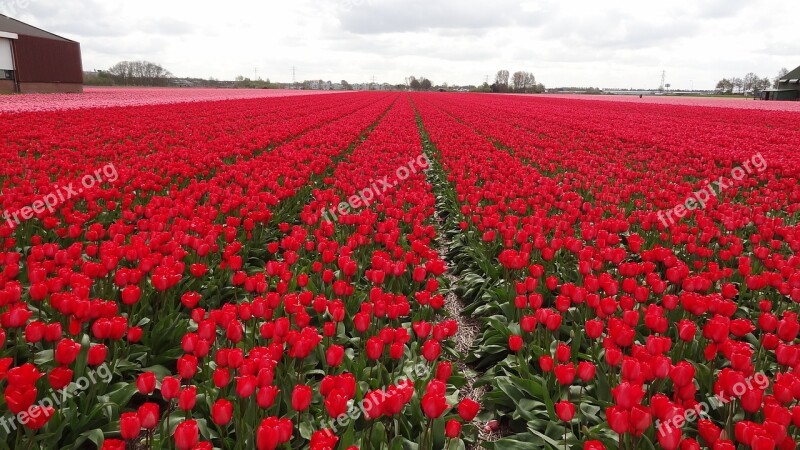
(762,84)
(425,84)
(781,73)
(518,81)
(530,82)
(139,73)
(738,84)
(749,82)
(502,78)
(725,86)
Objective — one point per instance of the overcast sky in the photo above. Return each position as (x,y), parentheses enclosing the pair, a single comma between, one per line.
(564,43)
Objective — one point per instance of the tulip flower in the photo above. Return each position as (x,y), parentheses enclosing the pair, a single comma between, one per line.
(149,415)
(434,405)
(129,426)
(186,435)
(146,383)
(301,397)
(565,410)
(222,412)
(452,429)
(515,343)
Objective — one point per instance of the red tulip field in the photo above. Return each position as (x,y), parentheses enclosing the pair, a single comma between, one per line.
(395,271)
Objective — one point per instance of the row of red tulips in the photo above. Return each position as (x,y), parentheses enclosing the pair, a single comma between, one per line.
(110,283)
(228,313)
(598,316)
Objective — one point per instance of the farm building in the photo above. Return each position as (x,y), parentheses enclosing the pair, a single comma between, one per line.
(788,87)
(34,60)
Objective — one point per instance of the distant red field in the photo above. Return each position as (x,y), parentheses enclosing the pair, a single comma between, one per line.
(101,97)
(718,102)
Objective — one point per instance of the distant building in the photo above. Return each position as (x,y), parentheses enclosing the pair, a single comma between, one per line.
(34,60)
(319,85)
(788,88)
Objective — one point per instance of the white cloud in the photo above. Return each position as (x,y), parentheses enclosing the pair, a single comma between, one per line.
(618,43)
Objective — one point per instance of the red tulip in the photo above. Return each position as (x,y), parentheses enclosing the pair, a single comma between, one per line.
(334,355)
(129,426)
(336,403)
(565,410)
(546,363)
(708,431)
(618,419)
(431,350)
(96,355)
(374,348)
(187,366)
(38,416)
(468,409)
(186,435)
(66,351)
(452,429)
(669,437)
(246,385)
(222,412)
(170,388)
(149,414)
(190,299)
(682,373)
(586,371)
(443,371)
(515,343)
(187,398)
(565,373)
(60,377)
(422,329)
(113,444)
(626,395)
(640,420)
(146,383)
(593,445)
(19,398)
(434,405)
(134,334)
(221,377)
(301,397)
(131,294)
(266,396)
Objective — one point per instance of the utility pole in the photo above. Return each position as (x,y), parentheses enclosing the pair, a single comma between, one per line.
(294,78)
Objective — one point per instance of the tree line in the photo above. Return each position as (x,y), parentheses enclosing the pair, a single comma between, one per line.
(418,84)
(139,73)
(131,73)
(519,82)
(750,83)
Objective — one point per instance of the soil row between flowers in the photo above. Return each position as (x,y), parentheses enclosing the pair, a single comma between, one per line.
(447,219)
(516,394)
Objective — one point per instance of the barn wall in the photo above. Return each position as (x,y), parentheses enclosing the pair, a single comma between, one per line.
(41,60)
(6,87)
(50,88)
